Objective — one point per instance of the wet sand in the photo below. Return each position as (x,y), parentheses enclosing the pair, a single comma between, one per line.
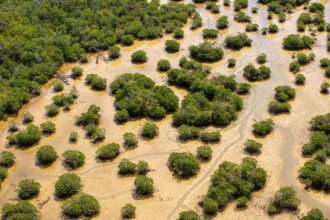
(280,156)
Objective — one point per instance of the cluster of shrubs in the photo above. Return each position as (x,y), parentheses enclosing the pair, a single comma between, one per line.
(279,7)
(297,42)
(20,210)
(127,167)
(240,4)
(196,21)
(210,33)
(187,132)
(251,73)
(189,215)
(280,105)
(206,52)
(285,199)
(7,159)
(183,165)
(314,214)
(81,205)
(62,100)
(301,60)
(209,101)
(26,137)
(263,128)
(233,182)
(137,96)
(90,120)
(314,17)
(238,41)
(213,7)
(325,64)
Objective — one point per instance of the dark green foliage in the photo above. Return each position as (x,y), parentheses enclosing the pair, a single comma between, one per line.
(300,79)
(184,165)
(126,167)
(27,189)
(142,167)
(222,22)
(92,116)
(187,132)
(127,40)
(188,215)
(108,151)
(240,4)
(228,82)
(251,27)
(263,128)
(210,137)
(232,181)
(284,93)
(128,211)
(27,118)
(327,72)
(7,159)
(196,21)
(3,173)
(48,127)
(206,52)
(178,33)
(121,116)
(27,137)
(73,159)
(63,100)
(67,185)
(284,199)
(46,155)
(314,174)
(114,52)
(241,17)
(325,88)
(138,96)
(172,46)
(210,206)
(149,130)
(252,147)
(210,33)
(273,28)
(73,137)
(96,82)
(204,153)
(81,205)
(296,42)
(130,140)
(143,185)
(231,63)
(321,155)
(76,72)
(316,7)
(139,56)
(238,41)
(251,73)
(325,62)
(241,202)
(314,214)
(294,67)
(262,58)
(22,210)
(275,107)
(163,65)
(303,59)
(58,86)
(52,110)
(243,88)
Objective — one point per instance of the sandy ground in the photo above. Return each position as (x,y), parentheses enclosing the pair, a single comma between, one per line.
(280,156)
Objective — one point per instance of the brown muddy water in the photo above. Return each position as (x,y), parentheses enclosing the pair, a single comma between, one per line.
(280,155)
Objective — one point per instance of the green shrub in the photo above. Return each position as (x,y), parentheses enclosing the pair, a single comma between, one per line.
(3,173)
(96,82)
(172,46)
(128,211)
(12,127)
(325,62)
(196,21)
(273,28)
(284,93)
(46,155)
(300,79)
(184,165)
(126,167)
(285,199)
(314,214)
(7,159)
(142,167)
(76,72)
(302,59)
(21,210)
(27,137)
(73,159)
(204,153)
(252,147)
(114,52)
(48,127)
(187,132)
(81,205)
(121,116)
(27,117)
(189,215)
(210,33)
(251,27)
(231,63)
(238,41)
(92,116)
(296,42)
(254,10)
(73,137)
(28,188)
(67,185)
(262,58)
(139,56)
(241,202)
(210,137)
(127,40)
(243,88)
(58,86)
(178,33)
(294,67)
(263,128)
(108,151)
(275,107)
(222,22)
(206,52)
(149,130)
(241,17)
(253,74)
(52,110)
(143,185)
(227,81)
(210,206)
(130,140)
(63,100)
(163,65)
(325,88)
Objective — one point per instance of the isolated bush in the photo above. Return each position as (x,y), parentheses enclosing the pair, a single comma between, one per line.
(263,128)
(238,41)
(96,82)
(63,100)
(231,63)
(130,140)
(241,17)
(210,33)
(27,137)
(210,137)
(108,151)
(7,159)
(187,132)
(143,185)
(22,210)
(204,153)
(284,199)
(67,185)
(296,42)
(303,59)
(58,86)
(300,79)
(251,27)
(46,155)
(81,205)
(73,137)
(188,215)
(206,52)
(314,214)
(28,188)
(163,65)
(74,159)
(142,167)
(325,88)
(172,46)
(149,129)
(262,58)
(52,110)
(325,62)
(139,56)
(114,52)
(178,33)
(27,117)
(294,67)
(48,127)
(126,167)
(275,107)
(284,93)
(243,88)
(222,22)
(251,73)
(76,72)
(184,165)
(12,127)
(92,116)
(252,147)
(128,211)
(273,28)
